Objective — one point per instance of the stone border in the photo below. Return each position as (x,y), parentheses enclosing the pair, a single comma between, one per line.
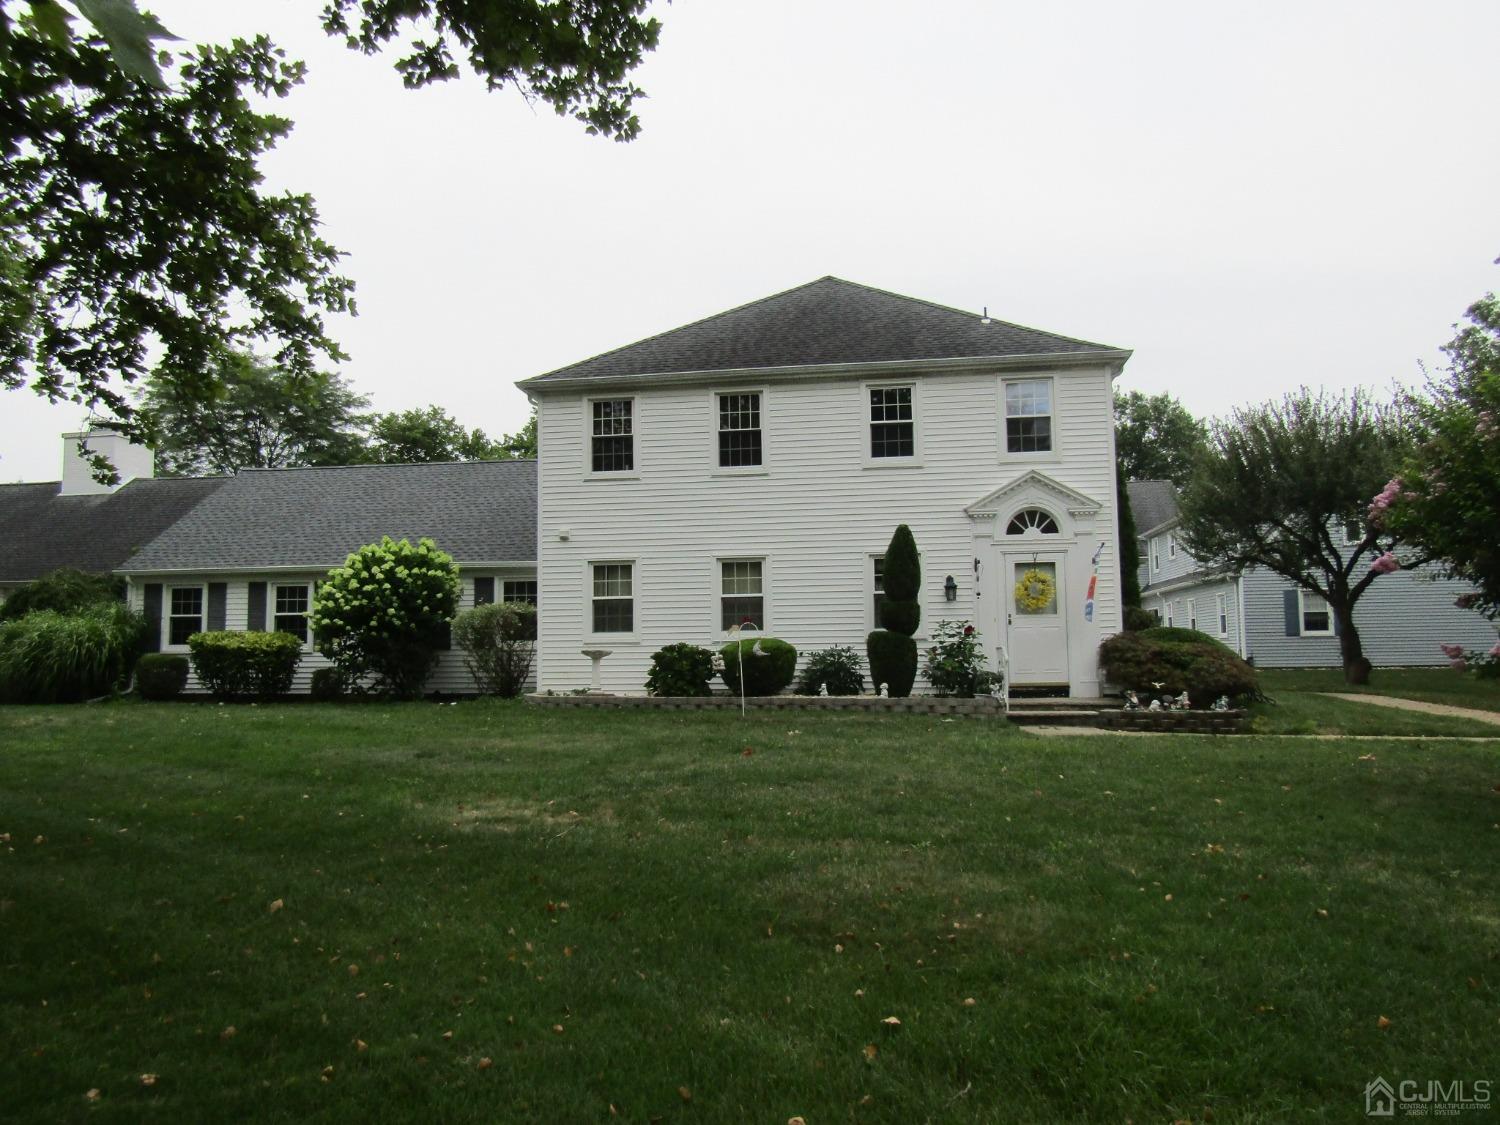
(984,706)
(1179,722)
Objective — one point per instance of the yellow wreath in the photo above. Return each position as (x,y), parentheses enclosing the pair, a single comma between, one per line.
(1035,590)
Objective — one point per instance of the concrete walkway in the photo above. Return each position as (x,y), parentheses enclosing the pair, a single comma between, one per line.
(1098,732)
(1491,717)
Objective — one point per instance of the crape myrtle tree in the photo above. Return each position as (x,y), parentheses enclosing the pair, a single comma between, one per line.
(1278,483)
(135,230)
(1447,498)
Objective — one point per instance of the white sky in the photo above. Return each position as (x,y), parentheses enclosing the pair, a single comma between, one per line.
(1252,197)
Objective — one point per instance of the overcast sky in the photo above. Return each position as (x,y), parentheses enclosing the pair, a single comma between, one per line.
(1251,196)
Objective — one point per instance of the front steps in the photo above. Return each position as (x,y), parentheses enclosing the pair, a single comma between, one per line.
(1061,711)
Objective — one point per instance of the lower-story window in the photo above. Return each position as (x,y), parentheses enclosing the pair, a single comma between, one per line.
(1222,605)
(1316,620)
(613,597)
(742,593)
(185,614)
(291,610)
(519,590)
(1192,608)
(1169,614)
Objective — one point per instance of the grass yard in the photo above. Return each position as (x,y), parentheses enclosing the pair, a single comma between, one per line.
(1432,685)
(1301,710)
(490,913)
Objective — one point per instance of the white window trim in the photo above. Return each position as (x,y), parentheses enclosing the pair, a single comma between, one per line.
(1155,553)
(605,639)
(635,438)
(1167,617)
(308,585)
(1192,613)
(1049,455)
(1350,541)
(166,612)
(1221,607)
(915,460)
(717,585)
(500,582)
(714,468)
(1302,629)
(867,585)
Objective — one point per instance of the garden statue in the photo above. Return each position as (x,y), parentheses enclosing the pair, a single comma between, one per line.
(1132,701)
(1182,702)
(1222,703)
(885,691)
(822,689)
(1155,705)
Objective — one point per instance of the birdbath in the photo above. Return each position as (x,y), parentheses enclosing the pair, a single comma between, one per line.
(596,655)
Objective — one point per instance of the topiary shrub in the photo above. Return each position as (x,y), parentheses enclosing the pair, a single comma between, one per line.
(769,665)
(1180,660)
(234,665)
(836,668)
(382,612)
(327,685)
(680,669)
(64,590)
(160,676)
(499,644)
(51,657)
(894,662)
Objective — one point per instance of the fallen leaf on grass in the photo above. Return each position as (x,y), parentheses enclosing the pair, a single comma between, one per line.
(228,1032)
(891,1021)
(92,1095)
(486,1062)
(871,1051)
(1367,757)
(327,1075)
(361,1045)
(684,1093)
(969,1002)
(447,1035)
(275,906)
(1322,913)
(746,752)
(148,1080)
(1382,1023)
(557,1028)
(1473,982)
(1215,849)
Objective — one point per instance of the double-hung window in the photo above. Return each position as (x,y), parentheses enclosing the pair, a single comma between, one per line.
(742,593)
(1317,621)
(612,435)
(1169,614)
(1155,554)
(740,444)
(1171,544)
(1221,603)
(291,610)
(613,597)
(878,586)
(184,614)
(519,590)
(1028,415)
(893,425)
(1192,613)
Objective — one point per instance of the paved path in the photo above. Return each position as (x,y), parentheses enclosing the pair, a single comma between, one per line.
(1087,732)
(1491,717)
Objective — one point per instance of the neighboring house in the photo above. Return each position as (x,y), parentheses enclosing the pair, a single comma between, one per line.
(1402,618)
(248,557)
(753,465)
(78,522)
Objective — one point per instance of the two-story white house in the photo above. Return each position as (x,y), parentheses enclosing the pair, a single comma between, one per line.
(753,466)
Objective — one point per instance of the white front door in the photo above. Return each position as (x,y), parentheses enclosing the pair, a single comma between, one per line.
(1036,634)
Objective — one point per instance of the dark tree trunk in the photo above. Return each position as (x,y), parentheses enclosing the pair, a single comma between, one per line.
(1356,667)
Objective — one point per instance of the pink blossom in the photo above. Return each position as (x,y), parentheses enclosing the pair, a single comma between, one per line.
(1386,564)
(1452,652)
(1495,651)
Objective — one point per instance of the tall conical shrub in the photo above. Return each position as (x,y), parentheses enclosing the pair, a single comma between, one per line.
(891,649)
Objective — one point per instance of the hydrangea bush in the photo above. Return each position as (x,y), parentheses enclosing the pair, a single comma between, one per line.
(382,613)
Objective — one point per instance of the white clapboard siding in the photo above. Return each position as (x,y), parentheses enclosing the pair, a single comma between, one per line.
(816,514)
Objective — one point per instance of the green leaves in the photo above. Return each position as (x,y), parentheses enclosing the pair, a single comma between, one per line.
(128,31)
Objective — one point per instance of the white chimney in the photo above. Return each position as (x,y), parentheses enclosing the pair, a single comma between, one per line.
(130,461)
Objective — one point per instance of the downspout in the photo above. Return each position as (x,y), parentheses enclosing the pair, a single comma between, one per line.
(1239,587)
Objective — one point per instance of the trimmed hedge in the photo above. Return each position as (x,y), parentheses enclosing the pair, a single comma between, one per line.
(499,645)
(891,649)
(893,662)
(160,676)
(1180,660)
(838,668)
(680,669)
(767,672)
(51,657)
(236,665)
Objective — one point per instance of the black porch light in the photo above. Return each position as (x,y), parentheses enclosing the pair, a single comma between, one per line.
(950,589)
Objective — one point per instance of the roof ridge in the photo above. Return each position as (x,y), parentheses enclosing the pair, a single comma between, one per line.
(374,465)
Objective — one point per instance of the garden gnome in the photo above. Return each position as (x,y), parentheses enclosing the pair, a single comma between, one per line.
(885,691)
(822,689)
(1222,703)
(1132,701)
(1155,705)
(1182,702)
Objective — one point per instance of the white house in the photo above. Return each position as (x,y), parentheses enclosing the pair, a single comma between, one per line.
(754,464)
(1402,618)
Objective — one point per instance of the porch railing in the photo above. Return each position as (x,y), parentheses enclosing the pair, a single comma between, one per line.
(1002,665)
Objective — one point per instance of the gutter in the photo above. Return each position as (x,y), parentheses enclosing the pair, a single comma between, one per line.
(290,568)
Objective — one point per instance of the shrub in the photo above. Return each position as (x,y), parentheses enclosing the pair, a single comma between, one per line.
(380,614)
(1137,619)
(160,676)
(327,685)
(837,668)
(769,664)
(1180,660)
(680,669)
(51,657)
(65,590)
(235,665)
(499,643)
(893,662)
(955,663)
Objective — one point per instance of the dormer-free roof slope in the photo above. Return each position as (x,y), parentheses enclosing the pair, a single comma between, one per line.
(264,519)
(828,322)
(1152,503)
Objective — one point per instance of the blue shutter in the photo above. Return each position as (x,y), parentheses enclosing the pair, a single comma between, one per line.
(484,591)
(1293,611)
(218,601)
(151,607)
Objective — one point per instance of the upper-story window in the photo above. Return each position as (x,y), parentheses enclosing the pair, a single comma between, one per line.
(612,445)
(1031,519)
(740,445)
(893,426)
(1354,530)
(1171,544)
(185,614)
(1155,554)
(291,610)
(1028,415)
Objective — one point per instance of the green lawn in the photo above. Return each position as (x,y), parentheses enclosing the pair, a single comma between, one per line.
(1304,711)
(1433,685)
(695,918)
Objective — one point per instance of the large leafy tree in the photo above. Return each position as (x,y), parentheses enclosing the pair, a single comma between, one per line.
(432,434)
(135,232)
(1278,483)
(1156,437)
(254,416)
(1448,497)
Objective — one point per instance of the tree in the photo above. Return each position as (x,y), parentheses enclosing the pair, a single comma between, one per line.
(1130,547)
(432,434)
(891,648)
(256,418)
(1274,480)
(1447,498)
(132,218)
(1156,438)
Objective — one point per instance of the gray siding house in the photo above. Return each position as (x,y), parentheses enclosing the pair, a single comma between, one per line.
(1402,618)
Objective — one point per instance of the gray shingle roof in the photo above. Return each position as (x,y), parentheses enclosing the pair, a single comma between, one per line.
(1152,503)
(477,511)
(41,530)
(828,321)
